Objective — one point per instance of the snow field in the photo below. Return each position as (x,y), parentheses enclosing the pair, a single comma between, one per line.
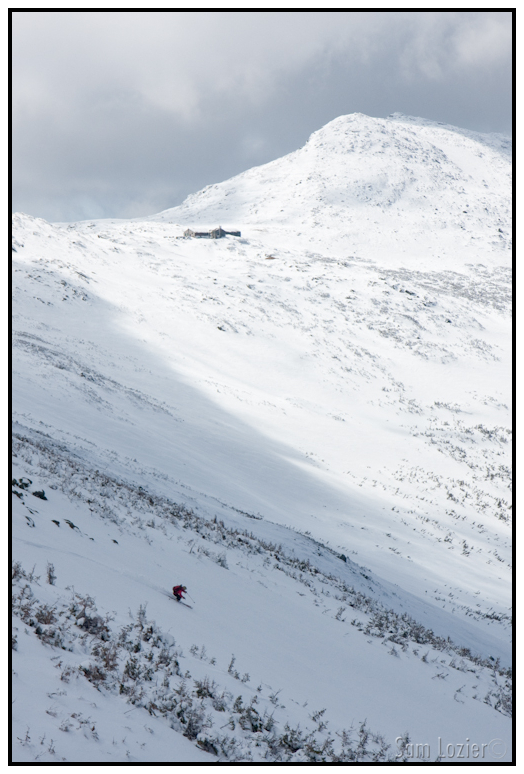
(281,620)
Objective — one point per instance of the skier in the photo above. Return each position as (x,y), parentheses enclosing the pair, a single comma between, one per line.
(177,591)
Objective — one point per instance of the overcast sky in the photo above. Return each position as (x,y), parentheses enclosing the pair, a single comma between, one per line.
(124,114)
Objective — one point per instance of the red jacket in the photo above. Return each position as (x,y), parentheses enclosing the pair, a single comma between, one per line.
(178,591)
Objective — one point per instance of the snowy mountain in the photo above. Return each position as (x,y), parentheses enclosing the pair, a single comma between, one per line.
(412,191)
(309,426)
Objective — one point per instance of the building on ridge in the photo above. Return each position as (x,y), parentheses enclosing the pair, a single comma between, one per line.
(214,233)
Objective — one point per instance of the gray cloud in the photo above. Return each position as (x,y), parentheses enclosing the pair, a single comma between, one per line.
(124,114)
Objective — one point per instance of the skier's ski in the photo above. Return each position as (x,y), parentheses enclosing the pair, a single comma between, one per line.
(170,596)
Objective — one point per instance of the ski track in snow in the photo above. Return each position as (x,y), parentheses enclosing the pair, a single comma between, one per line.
(335,382)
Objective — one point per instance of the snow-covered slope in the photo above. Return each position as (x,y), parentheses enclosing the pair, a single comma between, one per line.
(401,191)
(238,415)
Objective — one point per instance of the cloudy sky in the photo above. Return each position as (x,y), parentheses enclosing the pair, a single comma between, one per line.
(124,114)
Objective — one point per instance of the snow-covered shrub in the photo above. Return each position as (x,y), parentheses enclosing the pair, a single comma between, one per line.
(222,561)
(51,577)
(205,688)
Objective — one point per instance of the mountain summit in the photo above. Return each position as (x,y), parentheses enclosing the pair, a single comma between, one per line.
(402,189)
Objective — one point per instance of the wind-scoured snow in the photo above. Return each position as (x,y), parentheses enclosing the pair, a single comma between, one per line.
(309,426)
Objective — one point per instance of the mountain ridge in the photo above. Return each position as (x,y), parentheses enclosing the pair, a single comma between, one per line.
(358,164)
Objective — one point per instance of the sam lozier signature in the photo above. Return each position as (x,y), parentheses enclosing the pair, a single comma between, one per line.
(495,749)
